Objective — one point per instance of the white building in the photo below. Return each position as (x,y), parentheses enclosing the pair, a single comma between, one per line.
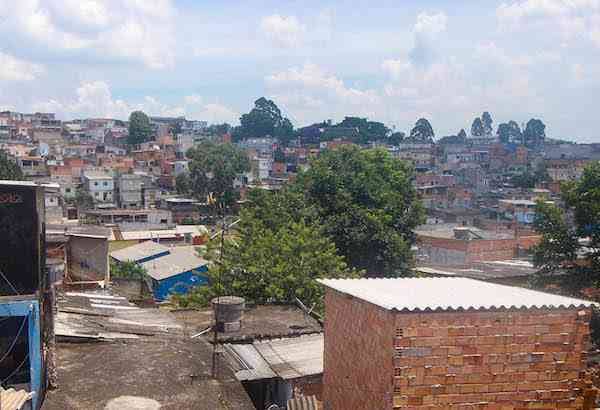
(102,189)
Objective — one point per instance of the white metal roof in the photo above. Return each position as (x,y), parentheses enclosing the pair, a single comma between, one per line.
(430,294)
(181,259)
(139,251)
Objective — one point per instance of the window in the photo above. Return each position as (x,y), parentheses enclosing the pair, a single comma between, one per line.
(163,221)
(96,183)
(68,190)
(96,194)
(105,183)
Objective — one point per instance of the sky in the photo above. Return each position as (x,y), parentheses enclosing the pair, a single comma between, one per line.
(390,61)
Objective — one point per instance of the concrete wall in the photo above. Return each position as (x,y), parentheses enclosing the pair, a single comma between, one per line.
(358,355)
(87,258)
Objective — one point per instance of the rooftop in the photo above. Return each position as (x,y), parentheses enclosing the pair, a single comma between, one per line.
(287,358)
(486,270)
(259,322)
(448,294)
(181,259)
(146,355)
(140,251)
(447,231)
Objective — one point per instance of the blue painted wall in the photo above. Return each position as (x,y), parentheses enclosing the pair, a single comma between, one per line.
(31,309)
(179,284)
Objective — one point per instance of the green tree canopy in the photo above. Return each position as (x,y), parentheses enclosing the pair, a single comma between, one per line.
(422,132)
(139,128)
(9,169)
(571,237)
(534,134)
(396,138)
(365,202)
(486,120)
(265,119)
(509,133)
(127,270)
(477,129)
(213,169)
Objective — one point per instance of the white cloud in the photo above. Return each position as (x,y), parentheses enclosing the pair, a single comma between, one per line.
(572,19)
(306,90)
(15,69)
(431,24)
(285,31)
(95,99)
(130,29)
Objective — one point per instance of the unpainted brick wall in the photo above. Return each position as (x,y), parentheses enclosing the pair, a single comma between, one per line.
(359,353)
(522,359)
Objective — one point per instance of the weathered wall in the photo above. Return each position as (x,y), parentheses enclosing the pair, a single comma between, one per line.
(87,258)
(490,360)
(358,356)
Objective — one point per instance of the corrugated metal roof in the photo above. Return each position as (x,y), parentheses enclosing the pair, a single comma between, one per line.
(11,399)
(430,294)
(247,363)
(139,251)
(287,358)
(293,357)
(303,403)
(181,259)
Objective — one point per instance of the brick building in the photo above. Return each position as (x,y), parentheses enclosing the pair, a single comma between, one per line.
(461,246)
(451,343)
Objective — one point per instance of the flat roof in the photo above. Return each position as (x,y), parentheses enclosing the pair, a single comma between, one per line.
(139,251)
(448,294)
(181,259)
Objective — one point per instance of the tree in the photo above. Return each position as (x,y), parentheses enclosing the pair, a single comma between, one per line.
(183,184)
(9,169)
(477,129)
(265,119)
(213,169)
(366,203)
(462,134)
(486,120)
(422,132)
(279,155)
(571,237)
(534,134)
(127,270)
(396,138)
(509,133)
(83,199)
(139,128)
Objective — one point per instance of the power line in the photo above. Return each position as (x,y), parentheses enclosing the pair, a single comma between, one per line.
(14,371)
(14,342)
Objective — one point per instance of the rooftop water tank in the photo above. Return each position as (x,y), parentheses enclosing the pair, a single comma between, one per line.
(229,311)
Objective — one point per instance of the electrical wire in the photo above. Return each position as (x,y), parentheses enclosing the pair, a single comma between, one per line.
(14,371)
(9,282)
(14,342)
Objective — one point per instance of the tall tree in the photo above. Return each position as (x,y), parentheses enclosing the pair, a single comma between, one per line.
(366,203)
(462,134)
(477,129)
(9,169)
(139,128)
(486,120)
(396,138)
(213,169)
(534,134)
(422,132)
(276,255)
(571,237)
(265,119)
(509,133)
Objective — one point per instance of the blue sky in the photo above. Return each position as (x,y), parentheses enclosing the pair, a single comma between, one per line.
(391,61)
